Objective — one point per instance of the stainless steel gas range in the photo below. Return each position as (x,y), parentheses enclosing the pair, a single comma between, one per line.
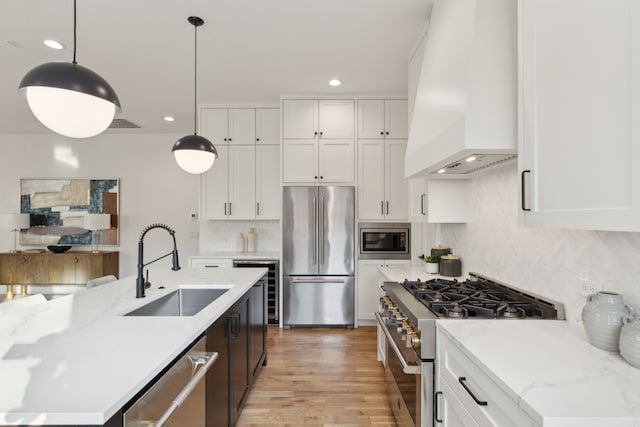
(407,323)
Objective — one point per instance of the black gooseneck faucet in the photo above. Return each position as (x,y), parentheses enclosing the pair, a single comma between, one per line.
(140,282)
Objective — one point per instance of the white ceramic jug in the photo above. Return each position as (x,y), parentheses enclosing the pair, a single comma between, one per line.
(602,319)
(630,340)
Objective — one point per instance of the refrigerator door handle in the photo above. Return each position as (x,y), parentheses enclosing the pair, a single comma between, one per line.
(315,229)
(322,230)
(318,280)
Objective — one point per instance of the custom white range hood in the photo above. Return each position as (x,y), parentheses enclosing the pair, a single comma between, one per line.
(466,100)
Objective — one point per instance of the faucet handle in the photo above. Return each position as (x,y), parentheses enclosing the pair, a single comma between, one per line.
(147,284)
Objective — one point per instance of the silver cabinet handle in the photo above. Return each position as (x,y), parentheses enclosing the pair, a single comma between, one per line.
(381,207)
(321,229)
(315,229)
(317,281)
(422,197)
(387,207)
(206,360)
(225,209)
(229,208)
(211,266)
(257,208)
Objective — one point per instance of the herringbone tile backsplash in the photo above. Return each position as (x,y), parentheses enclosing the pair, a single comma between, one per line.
(548,262)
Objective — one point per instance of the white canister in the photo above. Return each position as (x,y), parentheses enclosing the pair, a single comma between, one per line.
(602,319)
(251,240)
(432,267)
(630,340)
(240,243)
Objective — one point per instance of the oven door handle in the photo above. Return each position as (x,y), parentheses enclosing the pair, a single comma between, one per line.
(406,368)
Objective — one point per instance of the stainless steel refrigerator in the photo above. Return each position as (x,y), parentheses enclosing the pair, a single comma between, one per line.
(318,227)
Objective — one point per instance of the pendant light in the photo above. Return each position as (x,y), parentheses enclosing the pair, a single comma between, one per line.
(195,154)
(68,98)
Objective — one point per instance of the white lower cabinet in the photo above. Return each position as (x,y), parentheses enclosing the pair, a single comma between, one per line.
(368,285)
(459,381)
(449,410)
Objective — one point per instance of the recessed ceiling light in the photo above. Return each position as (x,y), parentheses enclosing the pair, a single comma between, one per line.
(334,82)
(470,158)
(54,44)
(443,170)
(169,119)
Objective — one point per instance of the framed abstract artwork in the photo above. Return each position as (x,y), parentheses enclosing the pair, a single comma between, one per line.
(57,210)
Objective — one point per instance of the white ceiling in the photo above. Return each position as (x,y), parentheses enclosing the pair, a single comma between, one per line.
(248,51)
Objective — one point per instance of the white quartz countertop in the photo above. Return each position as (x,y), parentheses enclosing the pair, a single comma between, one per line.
(240,255)
(77,360)
(551,371)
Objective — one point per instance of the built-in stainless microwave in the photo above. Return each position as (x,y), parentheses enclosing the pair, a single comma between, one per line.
(385,240)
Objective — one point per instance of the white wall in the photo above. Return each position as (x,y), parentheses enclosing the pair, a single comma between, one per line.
(152,187)
(545,261)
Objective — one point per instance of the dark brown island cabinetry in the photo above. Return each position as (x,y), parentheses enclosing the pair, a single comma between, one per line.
(239,337)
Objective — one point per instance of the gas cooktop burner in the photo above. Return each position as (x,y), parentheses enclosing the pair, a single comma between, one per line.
(481,298)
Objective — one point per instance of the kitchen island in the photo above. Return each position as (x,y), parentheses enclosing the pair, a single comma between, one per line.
(77,360)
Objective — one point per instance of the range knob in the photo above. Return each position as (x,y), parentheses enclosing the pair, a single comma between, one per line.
(413,340)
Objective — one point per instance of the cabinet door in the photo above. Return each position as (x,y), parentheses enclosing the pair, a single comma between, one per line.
(580,121)
(371,119)
(395,119)
(242,182)
(239,356)
(214,187)
(36,268)
(396,205)
(242,126)
(62,268)
(300,118)
(368,287)
(449,411)
(336,158)
(214,125)
(336,118)
(217,378)
(300,160)
(257,327)
(268,194)
(267,126)
(371,179)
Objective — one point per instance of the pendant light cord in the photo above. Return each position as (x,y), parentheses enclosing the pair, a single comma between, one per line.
(195,83)
(74,32)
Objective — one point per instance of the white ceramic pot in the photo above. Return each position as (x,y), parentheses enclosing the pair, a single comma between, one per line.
(630,340)
(602,319)
(432,267)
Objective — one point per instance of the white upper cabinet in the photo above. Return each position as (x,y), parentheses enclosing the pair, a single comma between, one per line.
(379,118)
(268,126)
(244,182)
(579,159)
(382,188)
(318,141)
(268,194)
(300,118)
(228,125)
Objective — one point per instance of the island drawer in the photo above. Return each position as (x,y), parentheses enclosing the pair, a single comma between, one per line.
(210,262)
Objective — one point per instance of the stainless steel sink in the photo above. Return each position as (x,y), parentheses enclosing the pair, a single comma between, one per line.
(187,300)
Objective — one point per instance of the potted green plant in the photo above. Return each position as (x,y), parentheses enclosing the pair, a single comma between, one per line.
(432,263)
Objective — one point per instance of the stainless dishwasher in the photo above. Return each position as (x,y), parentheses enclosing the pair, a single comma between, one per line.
(178,398)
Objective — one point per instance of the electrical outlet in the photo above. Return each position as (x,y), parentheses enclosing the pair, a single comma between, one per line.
(588,287)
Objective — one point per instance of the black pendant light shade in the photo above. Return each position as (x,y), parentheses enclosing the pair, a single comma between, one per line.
(194,153)
(68,98)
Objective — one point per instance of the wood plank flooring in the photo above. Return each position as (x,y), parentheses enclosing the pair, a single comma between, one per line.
(319,377)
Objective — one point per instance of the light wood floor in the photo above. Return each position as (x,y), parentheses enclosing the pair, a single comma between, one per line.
(319,377)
